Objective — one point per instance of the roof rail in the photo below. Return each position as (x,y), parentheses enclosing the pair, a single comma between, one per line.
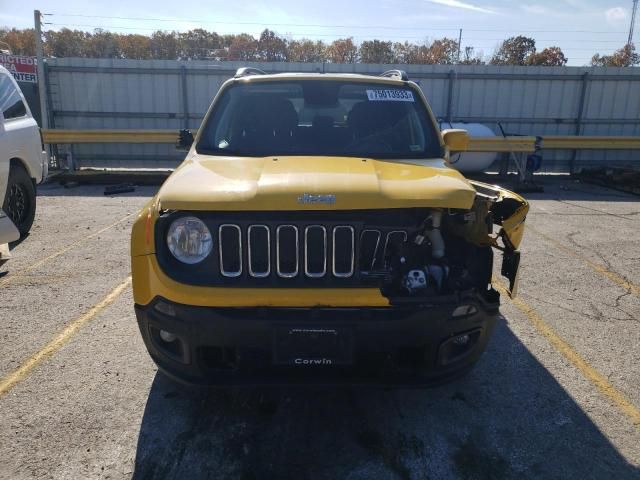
(246,71)
(399,74)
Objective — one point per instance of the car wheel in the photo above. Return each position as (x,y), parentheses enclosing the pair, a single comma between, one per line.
(20,199)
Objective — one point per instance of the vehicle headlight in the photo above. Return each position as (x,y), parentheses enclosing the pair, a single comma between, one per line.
(189,240)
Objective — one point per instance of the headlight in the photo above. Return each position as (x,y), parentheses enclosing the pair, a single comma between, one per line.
(189,240)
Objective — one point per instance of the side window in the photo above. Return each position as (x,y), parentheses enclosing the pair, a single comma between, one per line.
(11,102)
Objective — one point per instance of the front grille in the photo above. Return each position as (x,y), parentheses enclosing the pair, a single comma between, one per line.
(308,249)
(314,244)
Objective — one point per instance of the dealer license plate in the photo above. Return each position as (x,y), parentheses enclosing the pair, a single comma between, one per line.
(311,346)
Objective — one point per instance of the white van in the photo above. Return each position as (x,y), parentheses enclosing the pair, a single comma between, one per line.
(23,161)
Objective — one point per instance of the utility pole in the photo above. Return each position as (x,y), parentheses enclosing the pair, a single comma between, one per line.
(460,42)
(634,9)
(42,89)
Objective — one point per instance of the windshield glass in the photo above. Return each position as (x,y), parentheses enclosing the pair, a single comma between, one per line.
(311,117)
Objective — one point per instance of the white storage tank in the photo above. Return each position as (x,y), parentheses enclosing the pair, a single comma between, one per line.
(471,161)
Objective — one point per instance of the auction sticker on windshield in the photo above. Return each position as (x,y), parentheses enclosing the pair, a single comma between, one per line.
(389,95)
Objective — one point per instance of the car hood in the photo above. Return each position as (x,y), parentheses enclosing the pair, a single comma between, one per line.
(290,183)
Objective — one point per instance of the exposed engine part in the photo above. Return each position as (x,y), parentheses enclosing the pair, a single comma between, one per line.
(434,235)
(421,267)
(438,273)
(415,280)
(430,277)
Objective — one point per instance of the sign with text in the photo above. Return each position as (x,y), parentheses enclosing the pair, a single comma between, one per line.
(22,68)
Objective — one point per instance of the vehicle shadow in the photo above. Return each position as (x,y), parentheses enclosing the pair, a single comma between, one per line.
(508,418)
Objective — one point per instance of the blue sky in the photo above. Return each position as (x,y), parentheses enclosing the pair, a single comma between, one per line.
(580,27)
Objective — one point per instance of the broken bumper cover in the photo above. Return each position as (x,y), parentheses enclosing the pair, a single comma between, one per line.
(400,345)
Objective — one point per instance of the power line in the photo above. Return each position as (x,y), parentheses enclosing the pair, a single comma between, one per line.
(371,36)
(308,25)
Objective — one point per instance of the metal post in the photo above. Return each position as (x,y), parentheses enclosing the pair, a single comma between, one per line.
(451,80)
(185,96)
(52,149)
(578,127)
(42,92)
(459,44)
(634,9)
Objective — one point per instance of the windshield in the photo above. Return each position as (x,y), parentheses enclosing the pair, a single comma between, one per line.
(311,117)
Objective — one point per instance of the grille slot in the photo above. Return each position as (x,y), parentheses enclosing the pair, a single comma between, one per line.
(230,247)
(343,251)
(287,248)
(315,251)
(259,251)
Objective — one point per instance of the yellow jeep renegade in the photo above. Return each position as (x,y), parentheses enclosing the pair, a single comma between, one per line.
(316,234)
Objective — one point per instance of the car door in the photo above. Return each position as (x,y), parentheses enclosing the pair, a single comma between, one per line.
(8,231)
(23,134)
(4,158)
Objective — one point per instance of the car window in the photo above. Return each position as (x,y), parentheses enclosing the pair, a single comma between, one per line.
(11,102)
(311,117)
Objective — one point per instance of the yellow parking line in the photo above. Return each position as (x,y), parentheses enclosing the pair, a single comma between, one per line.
(35,265)
(627,285)
(590,373)
(59,340)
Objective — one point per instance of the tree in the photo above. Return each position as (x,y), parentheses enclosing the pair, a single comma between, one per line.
(401,52)
(198,44)
(549,57)
(272,48)
(164,45)
(134,46)
(102,44)
(342,50)
(21,42)
(306,50)
(469,57)
(514,51)
(624,57)
(66,43)
(376,51)
(442,52)
(243,47)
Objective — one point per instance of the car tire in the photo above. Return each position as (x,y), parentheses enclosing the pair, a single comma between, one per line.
(20,199)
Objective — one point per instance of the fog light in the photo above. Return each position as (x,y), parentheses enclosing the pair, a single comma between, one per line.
(165,308)
(464,310)
(167,336)
(461,340)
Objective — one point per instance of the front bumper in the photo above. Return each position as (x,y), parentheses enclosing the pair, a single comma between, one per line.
(381,346)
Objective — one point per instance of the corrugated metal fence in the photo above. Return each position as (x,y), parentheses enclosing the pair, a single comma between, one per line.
(158,94)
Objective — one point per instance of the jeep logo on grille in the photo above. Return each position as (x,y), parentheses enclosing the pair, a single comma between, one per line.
(311,199)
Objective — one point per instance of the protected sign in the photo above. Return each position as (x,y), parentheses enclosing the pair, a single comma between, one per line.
(22,68)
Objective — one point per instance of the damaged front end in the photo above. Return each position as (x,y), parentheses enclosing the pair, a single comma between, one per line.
(451,250)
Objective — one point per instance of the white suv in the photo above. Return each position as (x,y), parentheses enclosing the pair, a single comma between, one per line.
(23,161)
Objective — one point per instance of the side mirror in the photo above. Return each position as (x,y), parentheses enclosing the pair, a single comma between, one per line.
(185,140)
(456,140)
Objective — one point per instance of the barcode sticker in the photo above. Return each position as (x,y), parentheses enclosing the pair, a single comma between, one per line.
(388,95)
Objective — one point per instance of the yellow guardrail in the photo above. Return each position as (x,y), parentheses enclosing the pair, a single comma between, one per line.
(502,144)
(476,144)
(109,136)
(590,143)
